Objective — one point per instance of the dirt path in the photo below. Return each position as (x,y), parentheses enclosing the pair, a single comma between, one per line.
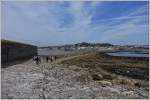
(57,81)
(67,58)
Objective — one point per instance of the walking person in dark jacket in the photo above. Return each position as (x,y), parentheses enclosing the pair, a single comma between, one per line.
(37,60)
(47,59)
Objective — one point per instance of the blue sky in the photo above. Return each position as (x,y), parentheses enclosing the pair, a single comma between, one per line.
(55,23)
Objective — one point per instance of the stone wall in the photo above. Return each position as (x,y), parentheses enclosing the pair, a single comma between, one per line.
(11,51)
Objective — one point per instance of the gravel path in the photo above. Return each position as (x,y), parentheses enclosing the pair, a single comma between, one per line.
(57,81)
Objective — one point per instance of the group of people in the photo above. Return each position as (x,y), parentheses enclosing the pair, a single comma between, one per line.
(51,58)
(37,59)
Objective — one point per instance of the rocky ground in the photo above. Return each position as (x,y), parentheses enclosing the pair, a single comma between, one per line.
(63,81)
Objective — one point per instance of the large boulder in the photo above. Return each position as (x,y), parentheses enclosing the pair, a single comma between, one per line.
(97,77)
(105,83)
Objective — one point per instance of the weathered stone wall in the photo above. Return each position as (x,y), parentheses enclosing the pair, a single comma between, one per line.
(11,51)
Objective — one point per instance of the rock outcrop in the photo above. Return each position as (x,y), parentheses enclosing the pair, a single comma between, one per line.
(12,51)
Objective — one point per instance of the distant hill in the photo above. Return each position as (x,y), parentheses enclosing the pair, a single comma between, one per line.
(82,44)
(85,44)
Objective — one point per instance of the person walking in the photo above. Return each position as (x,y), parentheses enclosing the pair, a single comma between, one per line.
(51,59)
(55,58)
(47,59)
(37,59)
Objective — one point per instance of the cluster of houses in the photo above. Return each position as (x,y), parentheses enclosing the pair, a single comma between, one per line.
(79,46)
(90,46)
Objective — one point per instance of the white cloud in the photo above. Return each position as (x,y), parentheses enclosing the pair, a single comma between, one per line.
(123,27)
(41,23)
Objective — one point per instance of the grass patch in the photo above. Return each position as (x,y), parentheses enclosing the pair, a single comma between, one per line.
(136,68)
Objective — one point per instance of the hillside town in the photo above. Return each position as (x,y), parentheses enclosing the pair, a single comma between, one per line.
(99,47)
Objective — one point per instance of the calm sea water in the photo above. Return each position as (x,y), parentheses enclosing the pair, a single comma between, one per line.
(129,54)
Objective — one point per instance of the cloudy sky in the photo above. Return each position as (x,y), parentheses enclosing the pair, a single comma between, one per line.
(54,23)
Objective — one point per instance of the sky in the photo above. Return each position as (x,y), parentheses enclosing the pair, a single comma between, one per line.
(45,23)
